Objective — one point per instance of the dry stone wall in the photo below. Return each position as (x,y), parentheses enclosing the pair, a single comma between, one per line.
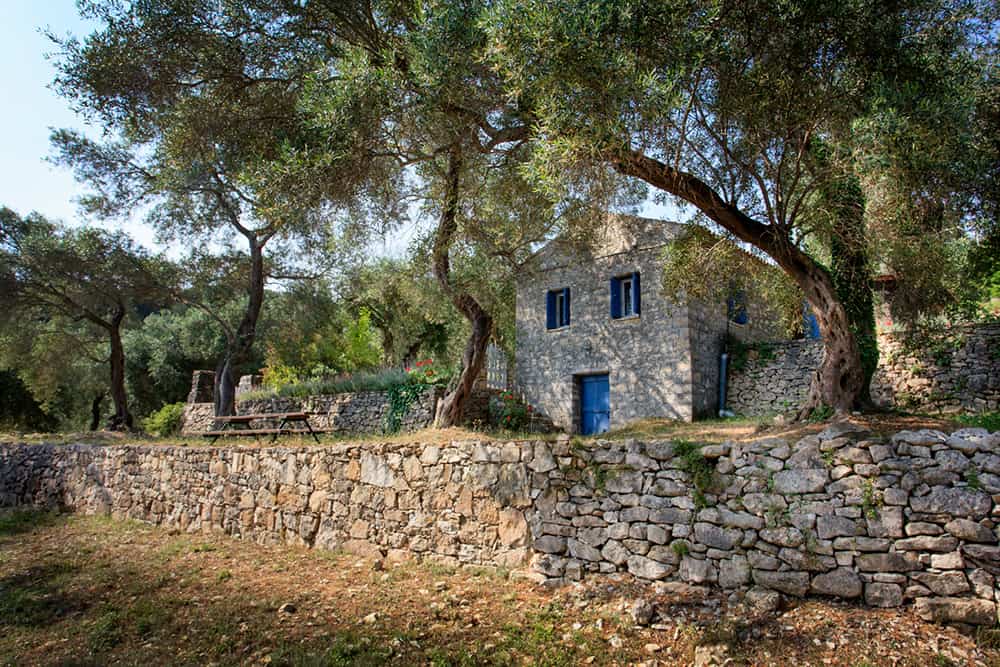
(954,370)
(361,412)
(908,519)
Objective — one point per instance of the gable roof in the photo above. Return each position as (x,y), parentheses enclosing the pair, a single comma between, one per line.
(620,233)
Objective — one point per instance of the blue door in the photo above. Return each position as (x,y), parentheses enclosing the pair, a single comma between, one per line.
(595,404)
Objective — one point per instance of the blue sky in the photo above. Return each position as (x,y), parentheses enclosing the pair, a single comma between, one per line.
(29,108)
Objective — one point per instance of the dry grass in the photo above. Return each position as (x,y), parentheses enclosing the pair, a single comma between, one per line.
(708,431)
(91,591)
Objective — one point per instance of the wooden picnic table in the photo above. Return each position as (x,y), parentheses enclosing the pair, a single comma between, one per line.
(239,425)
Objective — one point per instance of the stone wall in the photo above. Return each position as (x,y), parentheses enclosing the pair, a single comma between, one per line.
(361,412)
(889,521)
(952,370)
(958,369)
(775,378)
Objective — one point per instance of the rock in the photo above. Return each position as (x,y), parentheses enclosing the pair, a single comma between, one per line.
(973,611)
(375,471)
(785,537)
(883,595)
(801,481)
(543,460)
(697,571)
(949,561)
(982,552)
(743,520)
(982,583)
(287,608)
(790,583)
(614,552)
(371,618)
(944,583)
(891,562)
(842,583)
(956,501)
(646,568)
(840,429)
(734,572)
(763,600)
(513,528)
(970,531)
(939,544)
(887,522)
(718,538)
(921,437)
(642,612)
(760,503)
(923,528)
(828,527)
(715,655)
(583,551)
(624,481)
(550,544)
(952,461)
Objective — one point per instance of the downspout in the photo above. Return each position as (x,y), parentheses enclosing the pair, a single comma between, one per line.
(723,372)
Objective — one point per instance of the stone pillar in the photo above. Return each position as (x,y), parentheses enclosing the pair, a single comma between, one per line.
(249,383)
(202,387)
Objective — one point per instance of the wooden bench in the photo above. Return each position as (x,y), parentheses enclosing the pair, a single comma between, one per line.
(239,425)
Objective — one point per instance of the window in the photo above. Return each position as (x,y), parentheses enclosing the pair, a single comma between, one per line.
(625,296)
(557,308)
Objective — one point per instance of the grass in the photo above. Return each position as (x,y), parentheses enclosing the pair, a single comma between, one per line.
(87,591)
(707,431)
(988,420)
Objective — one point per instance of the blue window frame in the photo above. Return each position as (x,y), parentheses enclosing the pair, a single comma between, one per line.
(557,308)
(626,296)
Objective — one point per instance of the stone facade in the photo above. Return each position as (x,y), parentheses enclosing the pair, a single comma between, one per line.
(953,370)
(662,363)
(361,412)
(912,518)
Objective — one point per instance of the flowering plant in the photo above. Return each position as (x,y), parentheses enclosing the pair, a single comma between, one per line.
(424,372)
(509,412)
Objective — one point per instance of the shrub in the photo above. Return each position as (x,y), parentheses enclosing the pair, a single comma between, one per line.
(382,380)
(166,421)
(508,412)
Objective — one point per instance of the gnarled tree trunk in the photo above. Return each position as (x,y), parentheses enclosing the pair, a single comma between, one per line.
(839,380)
(95,411)
(122,419)
(241,343)
(451,409)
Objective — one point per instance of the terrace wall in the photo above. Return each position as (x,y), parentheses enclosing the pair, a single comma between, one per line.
(909,519)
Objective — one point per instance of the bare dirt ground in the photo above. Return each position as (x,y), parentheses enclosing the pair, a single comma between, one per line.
(92,591)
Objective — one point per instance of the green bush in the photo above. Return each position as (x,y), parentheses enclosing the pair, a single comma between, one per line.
(382,380)
(166,421)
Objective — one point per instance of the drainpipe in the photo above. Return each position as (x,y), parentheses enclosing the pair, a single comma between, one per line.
(723,372)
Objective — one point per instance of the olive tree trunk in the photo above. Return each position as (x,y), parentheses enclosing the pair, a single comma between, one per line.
(122,418)
(240,343)
(451,409)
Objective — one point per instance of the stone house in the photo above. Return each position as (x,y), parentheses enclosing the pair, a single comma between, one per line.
(599,346)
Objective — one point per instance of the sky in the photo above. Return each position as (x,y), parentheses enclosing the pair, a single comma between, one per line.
(29,110)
